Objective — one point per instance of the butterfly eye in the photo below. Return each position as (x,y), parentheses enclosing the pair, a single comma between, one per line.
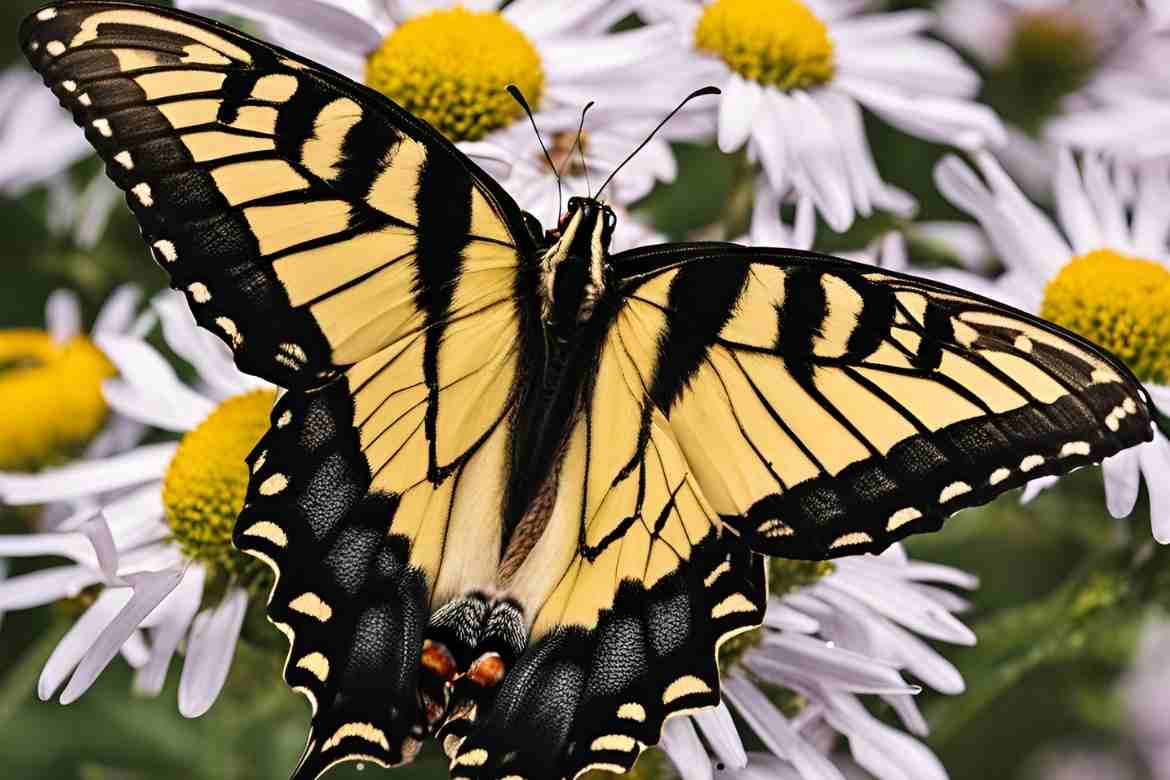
(610,220)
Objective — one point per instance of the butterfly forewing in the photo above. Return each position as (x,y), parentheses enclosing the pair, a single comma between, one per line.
(309,221)
(829,408)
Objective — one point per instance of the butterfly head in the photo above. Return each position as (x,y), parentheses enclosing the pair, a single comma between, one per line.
(573,267)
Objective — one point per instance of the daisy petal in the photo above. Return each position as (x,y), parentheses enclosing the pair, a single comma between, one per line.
(45,586)
(174,618)
(680,742)
(151,380)
(80,637)
(775,731)
(1123,480)
(63,315)
(1155,461)
(209,653)
(118,311)
(86,478)
(719,729)
(737,111)
(150,588)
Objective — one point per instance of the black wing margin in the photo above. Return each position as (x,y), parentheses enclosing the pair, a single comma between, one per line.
(829,408)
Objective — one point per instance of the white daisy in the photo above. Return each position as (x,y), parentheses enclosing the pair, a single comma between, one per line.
(38,139)
(1098,66)
(852,631)
(795,74)
(158,545)
(1103,271)
(448,63)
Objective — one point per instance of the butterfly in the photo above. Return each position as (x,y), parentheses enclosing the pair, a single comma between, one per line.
(519,488)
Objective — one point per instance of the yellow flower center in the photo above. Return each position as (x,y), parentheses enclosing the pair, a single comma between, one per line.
(780,43)
(52,397)
(451,66)
(1119,302)
(204,488)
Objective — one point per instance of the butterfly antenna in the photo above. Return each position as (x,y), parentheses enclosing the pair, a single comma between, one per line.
(577,145)
(518,96)
(679,107)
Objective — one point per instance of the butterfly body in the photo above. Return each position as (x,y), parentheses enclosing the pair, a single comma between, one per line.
(520,490)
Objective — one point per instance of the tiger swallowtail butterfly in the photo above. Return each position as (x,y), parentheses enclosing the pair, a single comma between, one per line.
(519,489)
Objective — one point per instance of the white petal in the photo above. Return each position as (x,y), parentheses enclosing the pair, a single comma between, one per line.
(1076,214)
(177,612)
(1155,460)
(1107,206)
(886,752)
(209,653)
(737,111)
(209,356)
(45,586)
(63,315)
(1151,218)
(964,241)
(681,744)
(119,310)
(87,478)
(899,603)
(909,714)
(150,588)
(763,766)
(719,729)
(332,25)
(1161,396)
(97,531)
(151,379)
(80,637)
(783,617)
(961,123)
(775,731)
(1123,480)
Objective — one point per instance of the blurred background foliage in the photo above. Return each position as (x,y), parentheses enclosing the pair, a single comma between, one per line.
(1064,588)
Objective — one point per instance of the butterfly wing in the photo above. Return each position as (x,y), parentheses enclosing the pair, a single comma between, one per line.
(309,221)
(345,250)
(636,584)
(829,408)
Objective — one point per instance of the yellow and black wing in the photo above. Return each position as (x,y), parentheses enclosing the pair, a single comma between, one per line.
(829,408)
(344,250)
(309,221)
(634,583)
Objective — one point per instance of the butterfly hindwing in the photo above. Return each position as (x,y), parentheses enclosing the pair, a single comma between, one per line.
(829,408)
(642,585)
(309,221)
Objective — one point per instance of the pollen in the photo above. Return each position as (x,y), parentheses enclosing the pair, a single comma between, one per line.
(451,66)
(52,397)
(778,43)
(207,480)
(1121,303)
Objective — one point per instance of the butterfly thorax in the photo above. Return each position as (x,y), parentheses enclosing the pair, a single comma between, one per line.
(573,267)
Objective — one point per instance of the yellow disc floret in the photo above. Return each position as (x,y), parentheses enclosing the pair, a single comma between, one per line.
(1119,302)
(778,43)
(450,67)
(52,397)
(206,482)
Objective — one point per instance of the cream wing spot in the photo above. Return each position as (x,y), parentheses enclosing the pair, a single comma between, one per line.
(312,605)
(684,686)
(477,757)
(620,742)
(270,531)
(736,602)
(901,517)
(848,540)
(999,475)
(632,711)
(316,664)
(228,326)
(166,250)
(275,88)
(103,127)
(47,14)
(56,48)
(70,85)
(1075,448)
(199,292)
(953,491)
(273,485)
(1031,463)
(85,100)
(1130,406)
(715,574)
(144,194)
(366,731)
(125,159)
(284,419)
